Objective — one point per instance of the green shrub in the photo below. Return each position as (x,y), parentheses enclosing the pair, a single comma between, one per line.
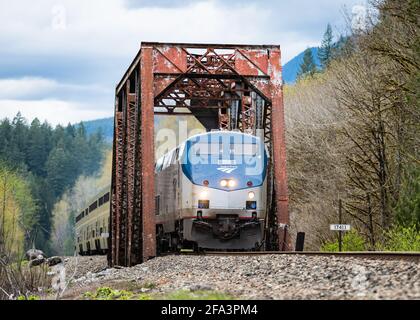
(106,293)
(401,238)
(30,297)
(352,241)
(197,295)
(408,207)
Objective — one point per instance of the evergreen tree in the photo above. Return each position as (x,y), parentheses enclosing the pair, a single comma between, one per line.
(340,47)
(307,67)
(61,170)
(5,138)
(326,50)
(18,142)
(37,151)
(408,206)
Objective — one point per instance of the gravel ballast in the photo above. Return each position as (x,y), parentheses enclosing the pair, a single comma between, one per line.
(261,277)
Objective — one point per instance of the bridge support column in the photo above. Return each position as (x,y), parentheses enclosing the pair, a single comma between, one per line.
(147,153)
(279,150)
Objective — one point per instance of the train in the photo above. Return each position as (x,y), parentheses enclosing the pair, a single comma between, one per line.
(210,193)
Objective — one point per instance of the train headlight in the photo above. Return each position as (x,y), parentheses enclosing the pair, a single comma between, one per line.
(203,195)
(223,183)
(231,183)
(251,195)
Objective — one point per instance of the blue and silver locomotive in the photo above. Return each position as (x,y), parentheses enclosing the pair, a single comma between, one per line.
(211,192)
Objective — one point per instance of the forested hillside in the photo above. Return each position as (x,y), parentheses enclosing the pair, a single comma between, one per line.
(103,126)
(290,70)
(353,134)
(38,163)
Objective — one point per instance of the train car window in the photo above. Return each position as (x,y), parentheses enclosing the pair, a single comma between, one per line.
(157,205)
(101,201)
(203,204)
(159,164)
(93,206)
(86,211)
(176,156)
(181,151)
(106,197)
(167,161)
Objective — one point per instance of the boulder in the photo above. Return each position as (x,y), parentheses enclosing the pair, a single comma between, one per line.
(52,261)
(36,262)
(33,254)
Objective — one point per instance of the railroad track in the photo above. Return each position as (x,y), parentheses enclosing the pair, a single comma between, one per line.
(359,254)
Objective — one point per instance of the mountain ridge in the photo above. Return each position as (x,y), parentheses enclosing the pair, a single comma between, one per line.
(291,68)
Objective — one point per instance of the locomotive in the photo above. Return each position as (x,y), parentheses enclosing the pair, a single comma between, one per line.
(210,193)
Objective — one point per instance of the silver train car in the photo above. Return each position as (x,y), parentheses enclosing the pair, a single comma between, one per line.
(92,225)
(210,193)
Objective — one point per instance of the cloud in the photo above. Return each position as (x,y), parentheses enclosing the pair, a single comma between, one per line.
(53,111)
(27,88)
(23,87)
(75,51)
(115,28)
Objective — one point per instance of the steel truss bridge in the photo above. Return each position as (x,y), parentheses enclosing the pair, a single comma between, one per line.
(226,87)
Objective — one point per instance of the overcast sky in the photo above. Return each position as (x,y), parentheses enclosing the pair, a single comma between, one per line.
(60,60)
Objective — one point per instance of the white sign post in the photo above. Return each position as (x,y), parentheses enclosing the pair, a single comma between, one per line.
(339,227)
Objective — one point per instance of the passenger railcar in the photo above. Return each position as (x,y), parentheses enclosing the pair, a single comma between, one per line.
(92,225)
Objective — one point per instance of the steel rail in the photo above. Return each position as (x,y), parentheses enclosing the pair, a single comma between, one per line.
(361,254)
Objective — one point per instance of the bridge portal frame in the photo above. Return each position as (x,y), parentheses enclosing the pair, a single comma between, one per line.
(185,78)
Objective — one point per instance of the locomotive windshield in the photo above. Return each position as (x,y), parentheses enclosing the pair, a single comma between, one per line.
(215,156)
(247,149)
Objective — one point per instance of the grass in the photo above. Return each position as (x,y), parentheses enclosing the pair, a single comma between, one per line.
(197,295)
(30,297)
(106,293)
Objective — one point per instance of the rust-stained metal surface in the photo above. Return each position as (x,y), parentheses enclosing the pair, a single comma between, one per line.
(238,86)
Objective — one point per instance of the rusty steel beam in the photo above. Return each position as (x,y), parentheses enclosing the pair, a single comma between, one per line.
(279,150)
(147,153)
(225,81)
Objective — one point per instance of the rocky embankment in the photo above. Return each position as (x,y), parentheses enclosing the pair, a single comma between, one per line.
(255,277)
